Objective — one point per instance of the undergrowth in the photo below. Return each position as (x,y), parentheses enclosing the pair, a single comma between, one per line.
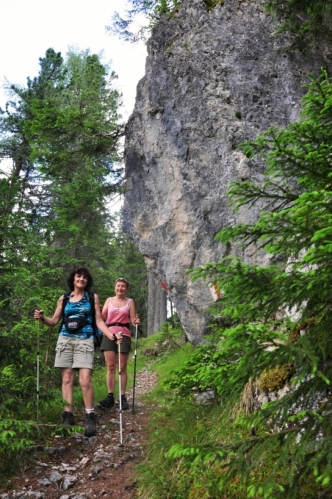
(194,442)
(194,432)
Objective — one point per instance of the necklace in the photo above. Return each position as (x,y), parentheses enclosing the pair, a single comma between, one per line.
(119,302)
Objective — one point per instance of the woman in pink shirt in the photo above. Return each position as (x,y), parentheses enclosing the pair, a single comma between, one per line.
(118,312)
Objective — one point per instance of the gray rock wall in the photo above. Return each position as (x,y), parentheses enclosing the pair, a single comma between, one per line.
(213,79)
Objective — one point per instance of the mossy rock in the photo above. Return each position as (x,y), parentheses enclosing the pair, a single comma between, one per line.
(211,4)
(295,333)
(275,378)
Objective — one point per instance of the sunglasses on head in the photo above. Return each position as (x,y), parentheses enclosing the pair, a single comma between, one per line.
(122,279)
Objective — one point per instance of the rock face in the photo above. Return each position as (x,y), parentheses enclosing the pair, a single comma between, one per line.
(213,79)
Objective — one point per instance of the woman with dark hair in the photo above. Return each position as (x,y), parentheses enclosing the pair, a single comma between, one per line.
(118,312)
(75,346)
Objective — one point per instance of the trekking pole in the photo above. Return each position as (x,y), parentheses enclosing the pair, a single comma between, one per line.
(135,357)
(37,417)
(120,396)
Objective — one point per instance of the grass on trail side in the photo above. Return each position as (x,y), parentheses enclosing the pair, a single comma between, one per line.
(175,421)
(179,421)
(184,457)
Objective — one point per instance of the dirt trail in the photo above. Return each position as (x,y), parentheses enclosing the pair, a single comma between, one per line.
(80,468)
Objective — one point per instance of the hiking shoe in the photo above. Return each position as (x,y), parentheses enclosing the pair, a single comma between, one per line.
(90,425)
(124,403)
(68,418)
(107,401)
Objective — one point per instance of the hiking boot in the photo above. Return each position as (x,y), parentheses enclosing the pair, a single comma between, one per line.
(90,425)
(68,418)
(124,403)
(108,401)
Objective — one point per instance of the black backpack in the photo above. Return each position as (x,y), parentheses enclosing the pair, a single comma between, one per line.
(97,335)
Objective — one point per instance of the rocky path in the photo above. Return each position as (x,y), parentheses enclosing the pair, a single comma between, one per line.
(76,467)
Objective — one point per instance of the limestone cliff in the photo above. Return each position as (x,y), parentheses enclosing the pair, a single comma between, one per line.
(213,79)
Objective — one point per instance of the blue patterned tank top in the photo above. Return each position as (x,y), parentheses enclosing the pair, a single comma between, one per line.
(82,309)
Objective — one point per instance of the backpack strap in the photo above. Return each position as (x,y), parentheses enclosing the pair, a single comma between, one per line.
(64,303)
(97,335)
(93,311)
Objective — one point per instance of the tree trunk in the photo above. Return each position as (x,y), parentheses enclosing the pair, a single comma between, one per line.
(157,306)
(163,306)
(157,309)
(151,304)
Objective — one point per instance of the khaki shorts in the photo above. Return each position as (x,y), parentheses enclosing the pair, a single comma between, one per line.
(76,353)
(112,346)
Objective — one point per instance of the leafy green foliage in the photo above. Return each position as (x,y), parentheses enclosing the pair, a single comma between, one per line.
(169,338)
(16,439)
(152,10)
(305,20)
(265,305)
(198,373)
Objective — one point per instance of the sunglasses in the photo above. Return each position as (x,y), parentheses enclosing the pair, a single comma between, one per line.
(122,279)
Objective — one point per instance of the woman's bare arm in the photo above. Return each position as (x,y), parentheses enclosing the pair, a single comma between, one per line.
(51,321)
(135,320)
(99,319)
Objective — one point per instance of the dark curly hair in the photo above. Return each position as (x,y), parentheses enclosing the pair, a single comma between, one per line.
(80,271)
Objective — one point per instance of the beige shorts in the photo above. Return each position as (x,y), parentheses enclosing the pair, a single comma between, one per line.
(77,353)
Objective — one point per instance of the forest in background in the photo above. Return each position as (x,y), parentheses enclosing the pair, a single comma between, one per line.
(61,146)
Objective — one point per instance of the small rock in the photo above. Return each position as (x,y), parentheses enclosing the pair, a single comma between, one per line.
(68,482)
(55,477)
(96,470)
(55,450)
(91,440)
(44,481)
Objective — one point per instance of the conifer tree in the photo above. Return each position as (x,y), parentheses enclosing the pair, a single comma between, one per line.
(305,20)
(279,316)
(60,134)
(151,9)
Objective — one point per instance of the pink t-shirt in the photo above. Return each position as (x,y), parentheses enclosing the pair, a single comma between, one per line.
(121,315)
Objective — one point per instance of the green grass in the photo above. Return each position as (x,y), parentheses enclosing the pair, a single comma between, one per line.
(181,422)
(197,470)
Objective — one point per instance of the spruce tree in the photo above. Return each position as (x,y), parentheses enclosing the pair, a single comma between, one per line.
(279,316)
(60,134)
